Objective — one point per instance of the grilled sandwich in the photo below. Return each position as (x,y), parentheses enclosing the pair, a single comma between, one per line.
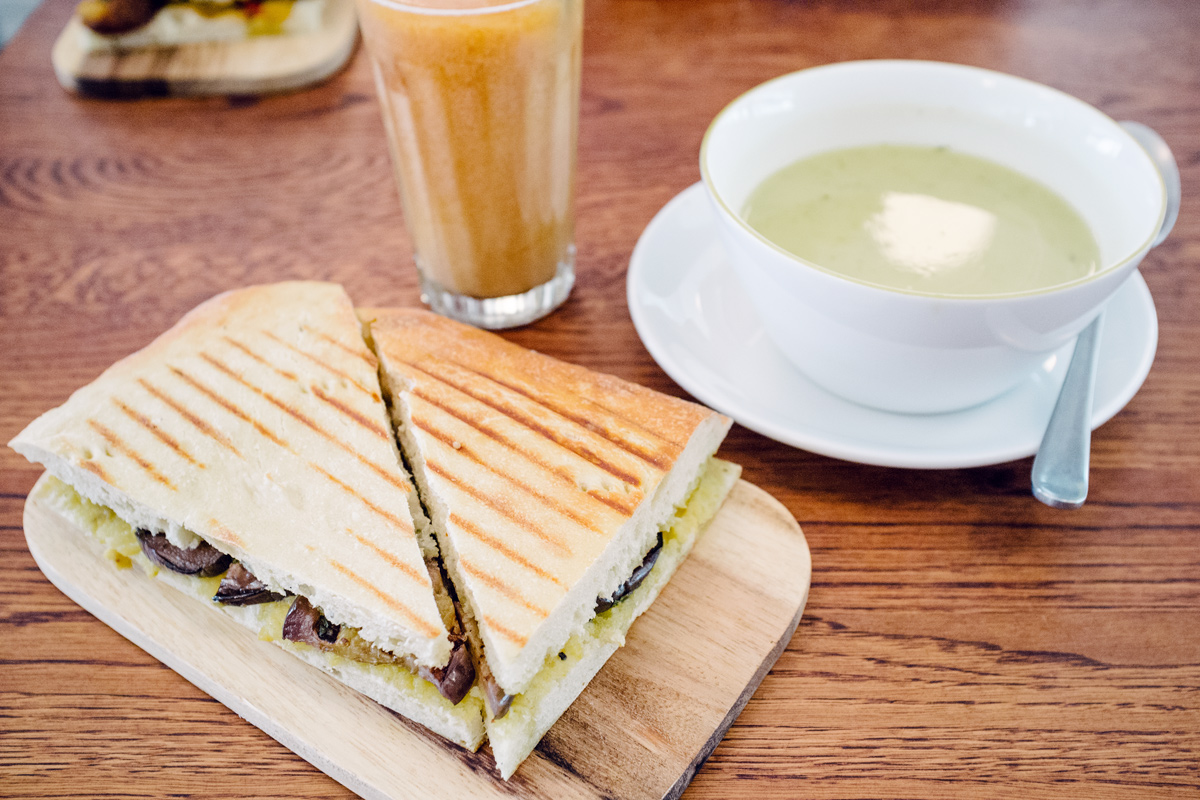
(556,496)
(125,25)
(249,457)
(246,456)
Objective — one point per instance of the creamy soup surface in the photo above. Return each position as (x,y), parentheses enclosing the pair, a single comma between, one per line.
(924,219)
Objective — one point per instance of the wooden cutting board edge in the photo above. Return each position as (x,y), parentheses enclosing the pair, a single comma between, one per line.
(794,573)
(735,710)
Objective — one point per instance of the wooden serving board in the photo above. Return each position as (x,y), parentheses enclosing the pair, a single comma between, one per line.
(257,65)
(642,728)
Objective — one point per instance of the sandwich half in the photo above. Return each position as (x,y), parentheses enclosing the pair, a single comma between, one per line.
(561,500)
(246,456)
(124,25)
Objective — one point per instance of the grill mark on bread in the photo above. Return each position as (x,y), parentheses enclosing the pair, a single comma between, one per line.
(182,410)
(405,525)
(164,437)
(500,586)
(351,413)
(634,449)
(534,457)
(391,559)
(122,447)
(469,453)
(507,633)
(229,406)
(317,390)
(422,624)
(223,534)
(365,355)
(324,364)
(615,505)
(389,476)
(556,543)
(97,470)
(285,373)
(233,409)
(577,448)
(476,532)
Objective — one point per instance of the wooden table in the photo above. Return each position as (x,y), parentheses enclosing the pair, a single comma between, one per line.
(961,639)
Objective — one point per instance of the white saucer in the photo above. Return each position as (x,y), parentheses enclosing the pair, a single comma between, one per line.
(697,323)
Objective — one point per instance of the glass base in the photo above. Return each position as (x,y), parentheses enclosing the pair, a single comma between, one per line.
(495,313)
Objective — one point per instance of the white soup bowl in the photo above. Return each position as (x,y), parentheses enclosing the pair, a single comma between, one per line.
(909,351)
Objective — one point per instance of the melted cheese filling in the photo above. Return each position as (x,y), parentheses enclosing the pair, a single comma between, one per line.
(605,630)
(120,545)
(609,628)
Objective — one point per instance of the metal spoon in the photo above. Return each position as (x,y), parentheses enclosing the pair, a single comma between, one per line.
(1060,469)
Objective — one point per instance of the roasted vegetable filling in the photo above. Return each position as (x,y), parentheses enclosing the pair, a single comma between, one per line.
(303,624)
(116,17)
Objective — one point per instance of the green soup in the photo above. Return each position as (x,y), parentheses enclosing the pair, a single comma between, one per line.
(923,219)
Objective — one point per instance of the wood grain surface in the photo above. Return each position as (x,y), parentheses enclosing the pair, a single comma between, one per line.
(659,706)
(961,640)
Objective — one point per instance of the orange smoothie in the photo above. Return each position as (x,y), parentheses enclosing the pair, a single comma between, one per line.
(481,104)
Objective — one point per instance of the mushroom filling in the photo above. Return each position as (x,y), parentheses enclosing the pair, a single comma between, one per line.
(499,701)
(117,17)
(635,580)
(304,623)
(203,560)
(455,679)
(240,587)
(113,17)
(307,625)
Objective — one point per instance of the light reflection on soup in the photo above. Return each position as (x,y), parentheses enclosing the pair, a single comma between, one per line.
(924,219)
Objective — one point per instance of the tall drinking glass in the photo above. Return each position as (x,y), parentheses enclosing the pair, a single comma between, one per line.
(481,105)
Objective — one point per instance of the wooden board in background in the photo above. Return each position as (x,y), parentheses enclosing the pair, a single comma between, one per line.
(642,728)
(257,65)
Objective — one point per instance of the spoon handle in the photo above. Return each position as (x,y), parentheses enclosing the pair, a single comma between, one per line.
(1060,469)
